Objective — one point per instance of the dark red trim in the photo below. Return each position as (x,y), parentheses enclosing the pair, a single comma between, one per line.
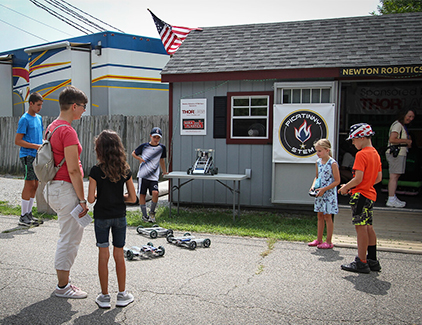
(254,75)
(270,118)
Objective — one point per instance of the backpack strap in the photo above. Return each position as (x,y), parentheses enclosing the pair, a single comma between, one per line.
(48,136)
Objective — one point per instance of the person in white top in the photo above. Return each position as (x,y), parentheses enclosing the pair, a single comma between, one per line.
(398,136)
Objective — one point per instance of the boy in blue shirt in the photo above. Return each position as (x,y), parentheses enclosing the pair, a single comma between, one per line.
(29,138)
(152,156)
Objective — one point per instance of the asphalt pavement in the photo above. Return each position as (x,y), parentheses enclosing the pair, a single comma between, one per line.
(236,280)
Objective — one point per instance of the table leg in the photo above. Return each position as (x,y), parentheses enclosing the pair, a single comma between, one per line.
(178,195)
(238,198)
(170,195)
(234,201)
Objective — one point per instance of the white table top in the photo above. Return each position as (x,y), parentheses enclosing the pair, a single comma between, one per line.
(220,177)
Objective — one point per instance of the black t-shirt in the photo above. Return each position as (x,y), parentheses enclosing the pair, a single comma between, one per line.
(110,203)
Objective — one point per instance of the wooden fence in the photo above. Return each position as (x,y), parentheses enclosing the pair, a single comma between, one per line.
(133,130)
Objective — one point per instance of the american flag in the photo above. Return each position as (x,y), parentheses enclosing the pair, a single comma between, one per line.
(171,36)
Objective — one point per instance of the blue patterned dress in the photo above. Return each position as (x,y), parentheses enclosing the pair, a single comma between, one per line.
(326,204)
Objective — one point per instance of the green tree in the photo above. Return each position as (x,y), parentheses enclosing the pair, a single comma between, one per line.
(398,7)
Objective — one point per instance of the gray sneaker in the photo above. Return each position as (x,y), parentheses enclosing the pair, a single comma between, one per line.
(39,221)
(103,301)
(145,218)
(70,291)
(124,299)
(152,216)
(26,221)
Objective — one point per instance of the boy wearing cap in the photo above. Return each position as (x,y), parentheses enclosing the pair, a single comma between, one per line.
(366,173)
(152,156)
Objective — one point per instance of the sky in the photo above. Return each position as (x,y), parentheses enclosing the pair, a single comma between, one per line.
(23,24)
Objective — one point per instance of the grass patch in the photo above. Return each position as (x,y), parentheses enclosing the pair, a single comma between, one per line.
(264,224)
(275,225)
(8,210)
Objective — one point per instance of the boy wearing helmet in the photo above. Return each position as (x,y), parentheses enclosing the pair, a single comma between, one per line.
(366,173)
(152,156)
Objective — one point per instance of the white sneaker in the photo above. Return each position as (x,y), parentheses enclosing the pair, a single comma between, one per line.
(401,202)
(124,299)
(70,291)
(103,301)
(395,203)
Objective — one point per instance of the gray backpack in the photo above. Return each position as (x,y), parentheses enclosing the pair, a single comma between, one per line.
(44,160)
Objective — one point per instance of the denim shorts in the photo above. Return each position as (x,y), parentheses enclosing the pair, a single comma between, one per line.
(118,231)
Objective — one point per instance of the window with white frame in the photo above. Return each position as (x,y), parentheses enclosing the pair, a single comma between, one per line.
(303,95)
(250,117)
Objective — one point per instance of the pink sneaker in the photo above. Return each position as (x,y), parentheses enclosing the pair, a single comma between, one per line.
(325,246)
(315,243)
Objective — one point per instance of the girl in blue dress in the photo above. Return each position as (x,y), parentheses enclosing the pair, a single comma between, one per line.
(328,177)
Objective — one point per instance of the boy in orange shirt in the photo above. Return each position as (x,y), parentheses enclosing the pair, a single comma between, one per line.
(367,172)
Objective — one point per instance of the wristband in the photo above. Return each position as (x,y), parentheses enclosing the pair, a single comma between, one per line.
(82,201)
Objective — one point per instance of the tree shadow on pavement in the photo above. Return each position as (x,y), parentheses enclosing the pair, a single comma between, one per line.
(19,230)
(369,283)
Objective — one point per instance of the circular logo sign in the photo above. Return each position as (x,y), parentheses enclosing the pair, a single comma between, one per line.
(299,130)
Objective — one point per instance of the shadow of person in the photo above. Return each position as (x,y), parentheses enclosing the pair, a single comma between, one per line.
(328,255)
(49,311)
(369,283)
(99,316)
(19,230)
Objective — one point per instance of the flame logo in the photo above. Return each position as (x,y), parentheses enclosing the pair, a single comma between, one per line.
(304,133)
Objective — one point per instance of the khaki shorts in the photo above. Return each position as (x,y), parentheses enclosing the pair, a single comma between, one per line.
(396,165)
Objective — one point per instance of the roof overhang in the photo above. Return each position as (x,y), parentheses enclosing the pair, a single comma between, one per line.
(53,46)
(254,75)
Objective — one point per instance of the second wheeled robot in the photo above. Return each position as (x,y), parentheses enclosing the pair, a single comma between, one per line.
(154,231)
(189,241)
(145,251)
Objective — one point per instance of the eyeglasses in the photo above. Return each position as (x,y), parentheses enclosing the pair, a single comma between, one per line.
(83,105)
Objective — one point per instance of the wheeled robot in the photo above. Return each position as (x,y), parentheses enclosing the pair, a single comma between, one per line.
(154,231)
(146,251)
(189,241)
(204,163)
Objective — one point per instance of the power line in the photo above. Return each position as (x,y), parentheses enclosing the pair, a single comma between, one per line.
(74,14)
(92,16)
(24,31)
(71,17)
(40,22)
(62,18)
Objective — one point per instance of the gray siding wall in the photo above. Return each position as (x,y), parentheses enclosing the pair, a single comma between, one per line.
(232,159)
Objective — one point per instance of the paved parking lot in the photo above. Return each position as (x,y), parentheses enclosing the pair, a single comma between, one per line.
(230,282)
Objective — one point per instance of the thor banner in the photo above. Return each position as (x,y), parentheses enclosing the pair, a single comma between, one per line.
(297,127)
(193,116)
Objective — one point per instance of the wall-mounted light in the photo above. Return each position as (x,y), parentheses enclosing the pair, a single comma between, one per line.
(98,48)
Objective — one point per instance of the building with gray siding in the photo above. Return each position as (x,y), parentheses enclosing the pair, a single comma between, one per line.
(260,80)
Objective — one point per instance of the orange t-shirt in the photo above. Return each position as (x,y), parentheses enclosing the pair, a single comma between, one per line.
(367,160)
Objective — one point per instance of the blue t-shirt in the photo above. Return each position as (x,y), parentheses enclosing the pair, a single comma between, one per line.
(150,169)
(32,129)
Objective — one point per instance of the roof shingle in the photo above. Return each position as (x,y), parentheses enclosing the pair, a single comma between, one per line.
(341,42)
